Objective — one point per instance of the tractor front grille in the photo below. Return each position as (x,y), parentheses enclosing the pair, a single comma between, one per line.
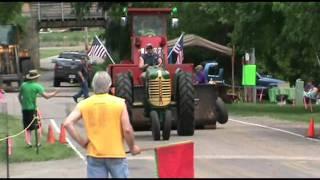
(160,91)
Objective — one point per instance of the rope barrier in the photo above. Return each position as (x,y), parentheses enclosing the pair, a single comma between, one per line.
(12,136)
(36,117)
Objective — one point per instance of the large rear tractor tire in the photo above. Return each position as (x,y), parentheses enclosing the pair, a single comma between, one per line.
(166,129)
(222,112)
(185,104)
(155,125)
(124,90)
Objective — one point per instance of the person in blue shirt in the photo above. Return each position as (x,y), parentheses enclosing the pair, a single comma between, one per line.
(83,77)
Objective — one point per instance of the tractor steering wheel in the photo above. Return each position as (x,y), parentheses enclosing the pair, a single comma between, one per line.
(150,33)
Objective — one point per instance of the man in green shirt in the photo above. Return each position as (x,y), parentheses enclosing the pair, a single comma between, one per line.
(27,98)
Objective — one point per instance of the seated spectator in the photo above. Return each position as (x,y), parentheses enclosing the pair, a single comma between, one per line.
(309,86)
(200,76)
(312,94)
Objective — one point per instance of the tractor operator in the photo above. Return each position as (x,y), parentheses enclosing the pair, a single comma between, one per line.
(148,59)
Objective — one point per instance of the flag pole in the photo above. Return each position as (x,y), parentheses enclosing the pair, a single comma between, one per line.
(175,44)
(152,148)
(318,59)
(105,49)
(143,149)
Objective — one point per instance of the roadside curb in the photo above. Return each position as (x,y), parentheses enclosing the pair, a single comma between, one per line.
(46,69)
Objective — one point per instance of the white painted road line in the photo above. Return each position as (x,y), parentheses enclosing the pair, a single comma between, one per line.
(69,142)
(139,157)
(275,129)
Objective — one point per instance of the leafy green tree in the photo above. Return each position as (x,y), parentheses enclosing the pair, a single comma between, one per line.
(80,9)
(300,35)
(9,11)
(284,34)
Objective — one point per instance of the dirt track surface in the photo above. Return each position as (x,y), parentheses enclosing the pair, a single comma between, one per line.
(255,147)
(232,150)
(66,168)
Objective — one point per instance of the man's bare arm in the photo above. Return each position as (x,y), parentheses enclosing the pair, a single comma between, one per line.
(81,76)
(69,123)
(48,95)
(159,61)
(142,66)
(20,98)
(127,131)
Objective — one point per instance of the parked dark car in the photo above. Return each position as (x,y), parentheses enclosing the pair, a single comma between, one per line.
(67,66)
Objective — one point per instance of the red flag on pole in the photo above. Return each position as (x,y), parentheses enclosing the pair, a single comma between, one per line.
(175,161)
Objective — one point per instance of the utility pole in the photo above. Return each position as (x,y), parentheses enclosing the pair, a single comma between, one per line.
(5,111)
(253,61)
(86,38)
(232,67)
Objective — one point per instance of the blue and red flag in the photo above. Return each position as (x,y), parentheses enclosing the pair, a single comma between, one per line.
(178,49)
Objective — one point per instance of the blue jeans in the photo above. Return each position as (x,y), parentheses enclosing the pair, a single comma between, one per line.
(102,167)
(84,90)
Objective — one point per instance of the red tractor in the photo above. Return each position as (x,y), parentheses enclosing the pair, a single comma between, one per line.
(168,98)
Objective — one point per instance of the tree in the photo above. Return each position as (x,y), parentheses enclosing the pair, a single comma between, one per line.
(9,11)
(284,34)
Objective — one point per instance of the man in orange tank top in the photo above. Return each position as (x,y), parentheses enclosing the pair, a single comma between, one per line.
(107,125)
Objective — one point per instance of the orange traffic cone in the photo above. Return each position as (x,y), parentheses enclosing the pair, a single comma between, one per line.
(10,146)
(51,139)
(311,128)
(62,138)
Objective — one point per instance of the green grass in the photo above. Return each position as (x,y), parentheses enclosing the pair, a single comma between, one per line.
(66,39)
(286,112)
(44,53)
(21,153)
(72,38)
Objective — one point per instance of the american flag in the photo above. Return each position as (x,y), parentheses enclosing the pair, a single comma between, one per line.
(178,49)
(97,49)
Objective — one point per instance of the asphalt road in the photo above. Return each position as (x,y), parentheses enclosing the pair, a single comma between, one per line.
(256,147)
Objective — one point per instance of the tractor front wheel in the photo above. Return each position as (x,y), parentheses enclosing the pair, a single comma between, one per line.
(222,112)
(166,129)
(155,125)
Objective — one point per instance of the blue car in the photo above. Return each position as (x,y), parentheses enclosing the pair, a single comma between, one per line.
(267,81)
(264,83)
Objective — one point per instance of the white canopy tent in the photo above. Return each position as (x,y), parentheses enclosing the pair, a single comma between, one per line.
(194,40)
